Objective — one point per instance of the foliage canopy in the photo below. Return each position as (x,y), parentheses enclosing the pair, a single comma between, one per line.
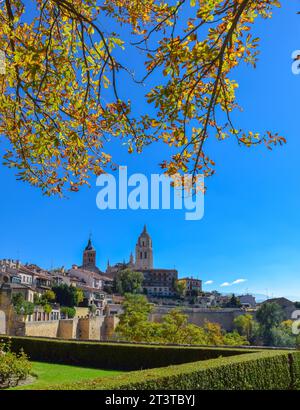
(60,103)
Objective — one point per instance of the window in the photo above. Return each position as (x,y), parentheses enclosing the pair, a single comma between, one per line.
(141,255)
(145,255)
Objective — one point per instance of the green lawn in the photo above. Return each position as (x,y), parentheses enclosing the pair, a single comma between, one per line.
(50,374)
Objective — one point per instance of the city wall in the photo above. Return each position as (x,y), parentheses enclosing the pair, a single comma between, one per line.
(2,322)
(91,328)
(198,316)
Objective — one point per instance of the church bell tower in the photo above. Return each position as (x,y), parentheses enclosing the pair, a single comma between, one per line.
(143,251)
(89,257)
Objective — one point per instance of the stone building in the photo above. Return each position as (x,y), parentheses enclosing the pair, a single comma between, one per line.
(86,277)
(112,270)
(144,251)
(158,282)
(192,286)
(247,300)
(89,258)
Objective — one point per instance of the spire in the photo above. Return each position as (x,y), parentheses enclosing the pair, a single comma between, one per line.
(131,258)
(89,256)
(145,232)
(89,246)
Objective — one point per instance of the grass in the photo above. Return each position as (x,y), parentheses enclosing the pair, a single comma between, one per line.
(52,374)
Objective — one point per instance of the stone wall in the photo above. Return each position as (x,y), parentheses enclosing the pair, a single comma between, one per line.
(2,322)
(90,328)
(43,329)
(68,329)
(14,324)
(82,312)
(94,328)
(63,329)
(198,316)
(108,327)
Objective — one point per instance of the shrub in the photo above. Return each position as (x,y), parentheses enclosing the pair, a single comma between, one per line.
(13,367)
(47,308)
(67,295)
(46,298)
(69,312)
(188,367)
(93,308)
(265,370)
(22,307)
(294,360)
(116,356)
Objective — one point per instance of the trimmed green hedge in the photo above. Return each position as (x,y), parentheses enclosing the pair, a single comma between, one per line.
(203,368)
(265,370)
(294,361)
(113,355)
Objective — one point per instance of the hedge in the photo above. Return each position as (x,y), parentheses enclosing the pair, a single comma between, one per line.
(113,355)
(265,370)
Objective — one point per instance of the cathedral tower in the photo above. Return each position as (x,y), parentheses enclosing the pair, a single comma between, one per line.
(143,251)
(89,257)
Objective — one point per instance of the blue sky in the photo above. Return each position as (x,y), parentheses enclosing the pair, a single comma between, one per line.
(251,226)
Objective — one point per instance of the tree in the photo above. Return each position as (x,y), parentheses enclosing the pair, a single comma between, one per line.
(46,298)
(214,333)
(269,315)
(245,325)
(69,296)
(47,308)
(134,324)
(17,299)
(68,312)
(180,288)
(22,307)
(176,329)
(234,302)
(49,296)
(173,327)
(79,296)
(60,102)
(282,335)
(127,281)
